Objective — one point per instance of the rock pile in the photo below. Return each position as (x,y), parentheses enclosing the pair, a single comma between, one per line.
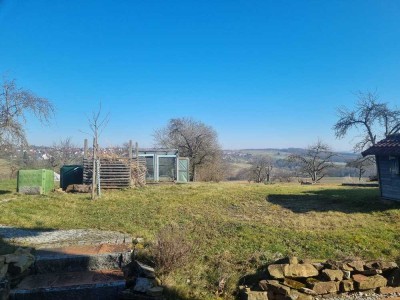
(141,283)
(13,268)
(287,279)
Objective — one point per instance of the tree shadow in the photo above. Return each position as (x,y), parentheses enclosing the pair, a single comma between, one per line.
(4,192)
(351,200)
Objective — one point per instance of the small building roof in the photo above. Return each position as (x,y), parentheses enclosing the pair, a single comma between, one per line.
(158,150)
(387,146)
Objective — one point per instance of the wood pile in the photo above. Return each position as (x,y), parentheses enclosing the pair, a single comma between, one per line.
(116,173)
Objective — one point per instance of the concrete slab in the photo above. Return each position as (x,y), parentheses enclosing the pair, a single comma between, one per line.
(82,258)
(103,284)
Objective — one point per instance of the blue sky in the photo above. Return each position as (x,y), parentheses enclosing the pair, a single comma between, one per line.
(262,73)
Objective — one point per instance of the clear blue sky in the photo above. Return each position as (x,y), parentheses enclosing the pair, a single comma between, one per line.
(262,73)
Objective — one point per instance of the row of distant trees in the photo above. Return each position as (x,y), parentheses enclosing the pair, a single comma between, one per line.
(371,118)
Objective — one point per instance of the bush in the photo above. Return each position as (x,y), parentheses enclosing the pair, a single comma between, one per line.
(170,249)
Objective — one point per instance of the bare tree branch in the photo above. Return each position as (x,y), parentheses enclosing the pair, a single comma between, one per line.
(315,162)
(15,104)
(373,119)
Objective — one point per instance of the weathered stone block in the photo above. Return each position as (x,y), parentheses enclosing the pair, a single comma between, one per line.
(296,295)
(323,287)
(20,263)
(389,290)
(144,270)
(357,265)
(332,275)
(293,283)
(318,266)
(275,287)
(142,285)
(254,295)
(346,274)
(277,271)
(346,286)
(371,272)
(308,291)
(362,282)
(381,265)
(338,265)
(295,271)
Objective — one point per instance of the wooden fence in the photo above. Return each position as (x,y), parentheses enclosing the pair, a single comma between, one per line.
(116,173)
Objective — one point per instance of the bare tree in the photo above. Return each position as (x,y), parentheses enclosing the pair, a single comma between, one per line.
(64,153)
(315,162)
(15,104)
(261,169)
(215,170)
(192,138)
(374,120)
(361,164)
(97,123)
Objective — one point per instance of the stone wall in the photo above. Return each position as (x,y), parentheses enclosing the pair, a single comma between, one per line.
(13,268)
(289,279)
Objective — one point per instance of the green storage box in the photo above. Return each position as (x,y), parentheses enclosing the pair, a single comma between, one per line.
(70,174)
(35,181)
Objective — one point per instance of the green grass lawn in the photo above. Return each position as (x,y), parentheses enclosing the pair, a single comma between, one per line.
(235,228)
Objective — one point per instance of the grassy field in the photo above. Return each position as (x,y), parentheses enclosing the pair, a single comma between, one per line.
(235,228)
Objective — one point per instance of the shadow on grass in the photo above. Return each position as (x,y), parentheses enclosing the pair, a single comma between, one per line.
(351,200)
(9,232)
(4,192)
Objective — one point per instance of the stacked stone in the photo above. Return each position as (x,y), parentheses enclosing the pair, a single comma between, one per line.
(290,280)
(141,282)
(13,268)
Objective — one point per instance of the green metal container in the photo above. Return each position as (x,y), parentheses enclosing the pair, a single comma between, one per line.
(70,174)
(35,181)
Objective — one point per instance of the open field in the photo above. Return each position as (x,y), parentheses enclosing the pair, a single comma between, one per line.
(235,228)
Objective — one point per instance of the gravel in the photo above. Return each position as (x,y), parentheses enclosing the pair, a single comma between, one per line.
(358,295)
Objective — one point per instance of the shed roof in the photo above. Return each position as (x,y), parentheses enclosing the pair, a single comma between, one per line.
(158,150)
(387,146)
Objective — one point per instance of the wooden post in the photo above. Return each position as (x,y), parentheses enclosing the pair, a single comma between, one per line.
(85,148)
(130,162)
(94,170)
(130,150)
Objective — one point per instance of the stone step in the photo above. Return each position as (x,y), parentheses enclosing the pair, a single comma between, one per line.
(82,258)
(89,285)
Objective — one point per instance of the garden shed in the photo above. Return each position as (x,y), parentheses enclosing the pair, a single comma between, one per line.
(165,165)
(387,153)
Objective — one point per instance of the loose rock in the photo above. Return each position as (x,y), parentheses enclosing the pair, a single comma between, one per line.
(362,282)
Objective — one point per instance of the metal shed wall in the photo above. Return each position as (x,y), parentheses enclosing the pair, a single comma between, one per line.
(389,176)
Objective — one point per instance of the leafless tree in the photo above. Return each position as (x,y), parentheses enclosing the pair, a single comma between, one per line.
(15,104)
(315,162)
(64,153)
(215,170)
(261,169)
(373,119)
(97,123)
(192,138)
(361,164)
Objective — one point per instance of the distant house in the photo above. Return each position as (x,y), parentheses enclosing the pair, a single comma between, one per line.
(165,165)
(387,153)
